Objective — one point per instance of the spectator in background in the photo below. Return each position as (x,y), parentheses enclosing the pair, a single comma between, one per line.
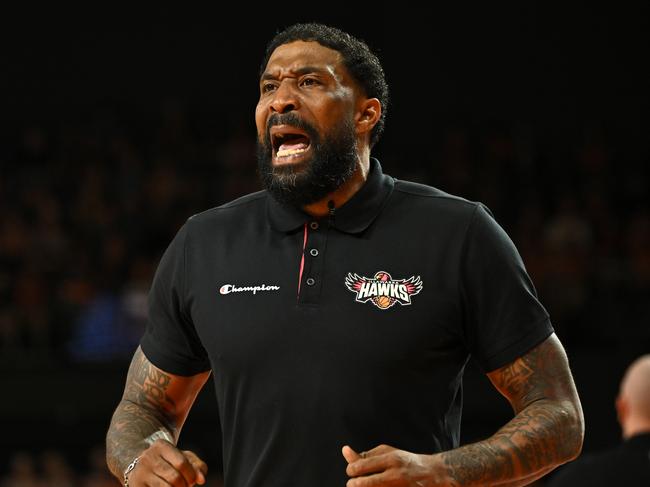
(22,472)
(628,463)
(97,474)
(56,470)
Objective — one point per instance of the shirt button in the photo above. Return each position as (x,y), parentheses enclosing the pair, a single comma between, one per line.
(313,252)
(310,281)
(314,225)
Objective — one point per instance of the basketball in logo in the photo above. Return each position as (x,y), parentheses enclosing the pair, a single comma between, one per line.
(383,302)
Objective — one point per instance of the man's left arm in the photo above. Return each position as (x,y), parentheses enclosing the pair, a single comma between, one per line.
(547,431)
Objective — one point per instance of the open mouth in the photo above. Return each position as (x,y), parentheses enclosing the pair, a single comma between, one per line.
(288,141)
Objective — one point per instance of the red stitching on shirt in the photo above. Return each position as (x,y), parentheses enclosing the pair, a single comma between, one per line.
(302,259)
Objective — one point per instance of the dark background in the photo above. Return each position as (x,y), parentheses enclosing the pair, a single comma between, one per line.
(119,123)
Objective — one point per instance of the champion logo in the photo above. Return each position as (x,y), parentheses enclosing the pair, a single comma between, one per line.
(382,290)
(231,288)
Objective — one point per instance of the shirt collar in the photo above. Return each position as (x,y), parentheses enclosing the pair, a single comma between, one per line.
(353,217)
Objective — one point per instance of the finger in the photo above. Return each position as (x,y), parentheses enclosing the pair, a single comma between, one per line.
(349,454)
(165,478)
(378,450)
(374,461)
(154,466)
(166,474)
(367,466)
(200,467)
(181,465)
(378,480)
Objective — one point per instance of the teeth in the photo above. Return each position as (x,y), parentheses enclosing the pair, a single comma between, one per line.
(289,152)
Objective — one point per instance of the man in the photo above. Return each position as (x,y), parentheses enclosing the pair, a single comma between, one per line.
(628,463)
(338,309)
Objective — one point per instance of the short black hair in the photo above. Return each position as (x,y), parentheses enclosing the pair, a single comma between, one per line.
(358,59)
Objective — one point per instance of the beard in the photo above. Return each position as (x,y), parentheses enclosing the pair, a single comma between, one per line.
(333,161)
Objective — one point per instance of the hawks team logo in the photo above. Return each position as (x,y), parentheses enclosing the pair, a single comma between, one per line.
(382,290)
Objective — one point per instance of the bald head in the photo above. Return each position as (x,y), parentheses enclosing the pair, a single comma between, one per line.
(633,403)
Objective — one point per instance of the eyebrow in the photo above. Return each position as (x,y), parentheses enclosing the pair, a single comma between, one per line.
(299,71)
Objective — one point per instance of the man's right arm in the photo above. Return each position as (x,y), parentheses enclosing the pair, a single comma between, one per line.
(146,425)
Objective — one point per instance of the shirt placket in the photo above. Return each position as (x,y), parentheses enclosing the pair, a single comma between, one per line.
(312,262)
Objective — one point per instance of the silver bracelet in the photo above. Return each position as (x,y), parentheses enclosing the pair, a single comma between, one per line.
(128,469)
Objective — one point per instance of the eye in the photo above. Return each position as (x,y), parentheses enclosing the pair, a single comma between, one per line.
(310,82)
(267,87)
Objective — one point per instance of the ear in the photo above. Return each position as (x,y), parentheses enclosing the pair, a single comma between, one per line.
(368,114)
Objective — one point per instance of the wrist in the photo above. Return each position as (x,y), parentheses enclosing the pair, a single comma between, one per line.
(128,470)
(437,469)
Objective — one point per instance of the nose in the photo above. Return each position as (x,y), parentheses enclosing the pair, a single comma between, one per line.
(284,99)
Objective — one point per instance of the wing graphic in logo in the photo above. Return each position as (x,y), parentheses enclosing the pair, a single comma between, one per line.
(413,285)
(354,282)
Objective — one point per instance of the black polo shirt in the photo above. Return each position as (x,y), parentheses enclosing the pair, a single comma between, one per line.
(353,329)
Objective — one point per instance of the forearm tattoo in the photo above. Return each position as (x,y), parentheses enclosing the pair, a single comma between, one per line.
(143,415)
(546,431)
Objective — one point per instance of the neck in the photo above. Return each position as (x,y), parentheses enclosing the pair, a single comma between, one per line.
(346,191)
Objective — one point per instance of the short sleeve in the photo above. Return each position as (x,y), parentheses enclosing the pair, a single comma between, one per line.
(503,316)
(170,340)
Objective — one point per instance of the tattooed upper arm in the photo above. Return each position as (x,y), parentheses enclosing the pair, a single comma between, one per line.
(546,431)
(171,396)
(542,373)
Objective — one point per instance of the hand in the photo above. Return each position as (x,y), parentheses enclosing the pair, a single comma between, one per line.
(162,464)
(388,466)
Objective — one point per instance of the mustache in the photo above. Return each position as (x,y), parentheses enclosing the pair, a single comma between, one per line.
(290,119)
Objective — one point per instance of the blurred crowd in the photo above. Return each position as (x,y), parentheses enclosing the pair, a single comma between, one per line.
(52,468)
(90,203)
(576,203)
(88,206)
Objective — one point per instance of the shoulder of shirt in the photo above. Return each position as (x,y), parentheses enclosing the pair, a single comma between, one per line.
(436,195)
(236,204)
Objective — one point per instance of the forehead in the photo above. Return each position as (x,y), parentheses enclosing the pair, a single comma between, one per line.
(298,54)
